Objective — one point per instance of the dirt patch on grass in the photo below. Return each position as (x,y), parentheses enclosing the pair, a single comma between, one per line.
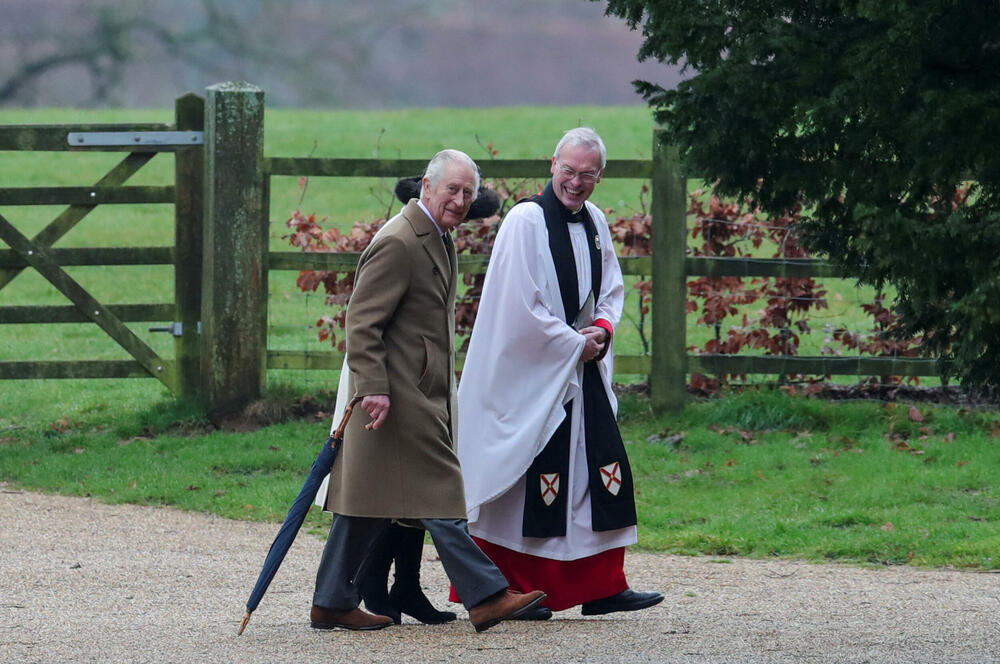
(275,410)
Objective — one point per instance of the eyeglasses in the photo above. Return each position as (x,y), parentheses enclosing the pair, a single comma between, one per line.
(590,177)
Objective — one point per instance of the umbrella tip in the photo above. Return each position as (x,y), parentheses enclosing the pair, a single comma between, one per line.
(243,624)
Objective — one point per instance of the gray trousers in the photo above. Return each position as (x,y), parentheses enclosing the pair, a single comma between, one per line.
(473,575)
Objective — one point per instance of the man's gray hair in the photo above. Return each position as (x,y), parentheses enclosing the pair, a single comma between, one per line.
(586,137)
(435,167)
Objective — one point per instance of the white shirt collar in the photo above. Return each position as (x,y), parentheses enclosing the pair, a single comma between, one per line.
(430,216)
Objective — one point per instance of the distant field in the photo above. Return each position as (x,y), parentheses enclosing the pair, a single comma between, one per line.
(514,132)
(517,133)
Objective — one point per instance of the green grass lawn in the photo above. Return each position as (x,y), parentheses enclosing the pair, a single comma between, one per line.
(762,474)
(757,474)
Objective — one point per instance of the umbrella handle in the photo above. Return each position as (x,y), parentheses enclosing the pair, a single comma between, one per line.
(339,433)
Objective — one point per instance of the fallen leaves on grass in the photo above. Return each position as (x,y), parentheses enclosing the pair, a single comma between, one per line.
(62,425)
(903,446)
(801,440)
(128,441)
(667,438)
(745,437)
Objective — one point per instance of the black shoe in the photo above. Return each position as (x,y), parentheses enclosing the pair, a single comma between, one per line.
(376,598)
(627,600)
(380,604)
(535,613)
(415,604)
(407,547)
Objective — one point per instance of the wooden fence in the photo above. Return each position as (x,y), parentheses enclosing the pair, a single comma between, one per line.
(221,260)
(346,262)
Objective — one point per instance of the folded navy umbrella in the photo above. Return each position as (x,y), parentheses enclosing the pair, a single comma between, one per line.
(296,515)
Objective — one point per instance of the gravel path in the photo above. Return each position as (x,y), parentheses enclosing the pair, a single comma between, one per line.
(81,581)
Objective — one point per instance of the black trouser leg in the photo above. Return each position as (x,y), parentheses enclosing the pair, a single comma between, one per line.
(373,577)
(348,545)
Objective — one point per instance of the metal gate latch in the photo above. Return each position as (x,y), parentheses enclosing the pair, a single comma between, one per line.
(176,329)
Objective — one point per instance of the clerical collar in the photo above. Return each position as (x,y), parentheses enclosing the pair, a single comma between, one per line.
(575,217)
(431,217)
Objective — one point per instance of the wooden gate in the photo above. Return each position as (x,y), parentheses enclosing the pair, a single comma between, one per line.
(140,143)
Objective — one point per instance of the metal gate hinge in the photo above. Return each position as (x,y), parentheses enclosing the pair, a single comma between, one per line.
(106,138)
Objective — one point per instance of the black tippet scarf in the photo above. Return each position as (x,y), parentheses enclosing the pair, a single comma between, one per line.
(606,459)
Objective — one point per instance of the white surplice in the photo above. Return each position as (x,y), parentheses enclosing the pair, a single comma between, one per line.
(521,369)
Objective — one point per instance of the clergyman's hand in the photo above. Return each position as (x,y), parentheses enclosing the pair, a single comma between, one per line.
(595,337)
(377,407)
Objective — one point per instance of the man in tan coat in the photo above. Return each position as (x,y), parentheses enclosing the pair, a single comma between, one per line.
(399,461)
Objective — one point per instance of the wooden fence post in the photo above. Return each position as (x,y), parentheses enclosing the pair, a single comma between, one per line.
(189,182)
(234,268)
(668,376)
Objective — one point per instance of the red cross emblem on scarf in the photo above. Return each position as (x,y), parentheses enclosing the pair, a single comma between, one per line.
(550,487)
(612,476)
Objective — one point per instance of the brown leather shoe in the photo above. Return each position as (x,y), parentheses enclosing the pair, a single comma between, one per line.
(503,606)
(324,618)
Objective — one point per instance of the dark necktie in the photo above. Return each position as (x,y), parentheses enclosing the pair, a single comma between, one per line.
(449,252)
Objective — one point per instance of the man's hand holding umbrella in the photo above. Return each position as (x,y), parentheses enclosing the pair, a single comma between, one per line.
(377,407)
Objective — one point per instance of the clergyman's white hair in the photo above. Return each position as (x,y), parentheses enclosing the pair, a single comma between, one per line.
(435,167)
(586,137)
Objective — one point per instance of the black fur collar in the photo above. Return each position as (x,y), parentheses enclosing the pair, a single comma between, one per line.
(486,204)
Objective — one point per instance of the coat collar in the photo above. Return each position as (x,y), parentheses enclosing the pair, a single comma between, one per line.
(418,219)
(427,232)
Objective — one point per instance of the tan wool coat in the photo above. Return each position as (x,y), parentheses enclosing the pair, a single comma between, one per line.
(400,342)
